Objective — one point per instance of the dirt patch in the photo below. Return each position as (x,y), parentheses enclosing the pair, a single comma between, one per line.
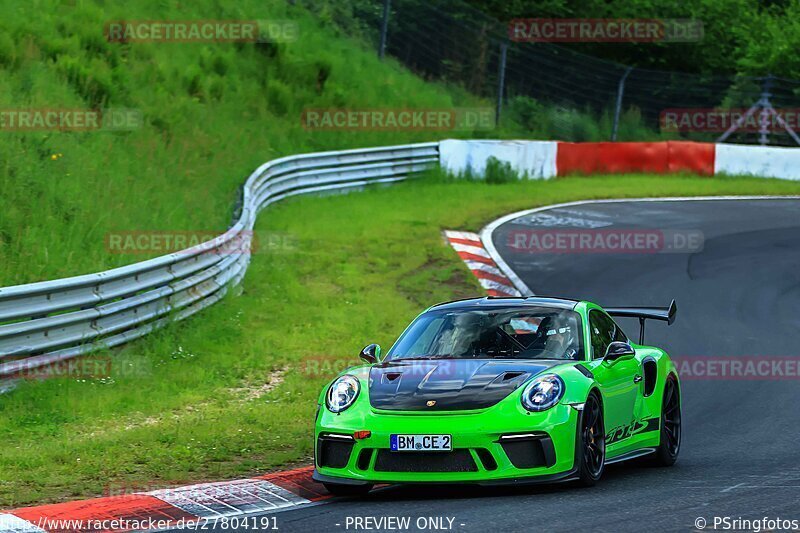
(258,390)
(439,279)
(244,394)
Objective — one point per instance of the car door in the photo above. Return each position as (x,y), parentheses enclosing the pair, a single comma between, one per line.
(617,381)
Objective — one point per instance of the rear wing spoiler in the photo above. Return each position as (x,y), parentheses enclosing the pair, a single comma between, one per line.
(667,314)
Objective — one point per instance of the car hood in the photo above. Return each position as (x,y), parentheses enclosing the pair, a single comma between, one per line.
(448,384)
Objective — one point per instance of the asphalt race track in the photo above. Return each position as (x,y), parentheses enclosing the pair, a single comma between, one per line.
(739,296)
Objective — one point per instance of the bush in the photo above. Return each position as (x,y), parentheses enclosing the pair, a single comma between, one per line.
(499,171)
(547,121)
(279,97)
(193,80)
(7,50)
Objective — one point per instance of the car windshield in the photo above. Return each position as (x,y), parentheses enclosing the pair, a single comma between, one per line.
(507,333)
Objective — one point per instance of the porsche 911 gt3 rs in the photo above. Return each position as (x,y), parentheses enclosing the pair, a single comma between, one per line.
(501,390)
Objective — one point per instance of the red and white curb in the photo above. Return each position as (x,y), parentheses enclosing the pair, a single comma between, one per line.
(171,507)
(470,249)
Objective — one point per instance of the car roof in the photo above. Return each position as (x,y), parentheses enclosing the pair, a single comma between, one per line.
(508,301)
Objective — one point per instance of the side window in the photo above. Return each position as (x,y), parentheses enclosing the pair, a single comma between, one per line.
(603,330)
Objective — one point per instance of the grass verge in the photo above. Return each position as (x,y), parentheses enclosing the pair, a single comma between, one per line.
(232,392)
(211,112)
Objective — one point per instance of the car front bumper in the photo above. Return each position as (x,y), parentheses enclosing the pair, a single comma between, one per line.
(500,445)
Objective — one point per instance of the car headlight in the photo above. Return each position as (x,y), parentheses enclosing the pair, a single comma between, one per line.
(543,393)
(342,393)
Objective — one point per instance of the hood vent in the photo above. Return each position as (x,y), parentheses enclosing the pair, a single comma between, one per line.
(389,377)
(508,376)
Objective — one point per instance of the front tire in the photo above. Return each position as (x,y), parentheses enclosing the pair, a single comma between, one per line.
(591,449)
(340,489)
(670,441)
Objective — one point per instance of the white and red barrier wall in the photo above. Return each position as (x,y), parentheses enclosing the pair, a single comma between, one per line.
(547,159)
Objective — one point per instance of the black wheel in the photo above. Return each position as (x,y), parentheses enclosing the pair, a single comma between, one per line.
(667,451)
(591,449)
(340,489)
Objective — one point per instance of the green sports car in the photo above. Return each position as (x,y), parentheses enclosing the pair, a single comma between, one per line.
(501,390)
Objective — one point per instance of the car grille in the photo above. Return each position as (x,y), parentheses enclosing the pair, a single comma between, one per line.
(459,460)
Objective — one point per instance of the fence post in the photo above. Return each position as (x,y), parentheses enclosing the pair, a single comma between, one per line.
(501,81)
(620,90)
(387,4)
(763,118)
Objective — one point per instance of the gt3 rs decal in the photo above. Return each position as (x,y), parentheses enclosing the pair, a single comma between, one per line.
(638,426)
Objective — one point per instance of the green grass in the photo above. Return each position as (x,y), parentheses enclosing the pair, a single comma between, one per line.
(212,113)
(187,403)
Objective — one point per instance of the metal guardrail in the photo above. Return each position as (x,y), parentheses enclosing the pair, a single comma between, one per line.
(52,321)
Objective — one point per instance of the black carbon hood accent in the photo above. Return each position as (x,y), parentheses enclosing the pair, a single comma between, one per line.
(453,384)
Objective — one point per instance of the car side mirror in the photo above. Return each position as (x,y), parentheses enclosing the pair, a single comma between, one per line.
(618,351)
(371,354)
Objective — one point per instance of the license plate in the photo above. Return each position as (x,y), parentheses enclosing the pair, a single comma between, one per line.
(421,443)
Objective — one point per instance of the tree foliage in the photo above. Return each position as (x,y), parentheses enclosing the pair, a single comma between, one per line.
(740,36)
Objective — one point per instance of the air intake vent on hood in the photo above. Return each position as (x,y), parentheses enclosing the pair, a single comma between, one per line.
(391,376)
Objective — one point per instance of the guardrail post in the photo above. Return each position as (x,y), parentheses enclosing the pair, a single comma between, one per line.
(501,81)
(620,91)
(387,4)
